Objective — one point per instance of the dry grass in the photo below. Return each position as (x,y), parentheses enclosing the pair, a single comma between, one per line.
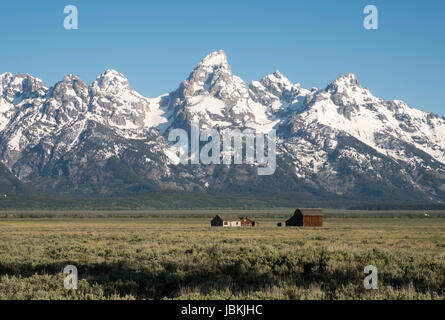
(183,258)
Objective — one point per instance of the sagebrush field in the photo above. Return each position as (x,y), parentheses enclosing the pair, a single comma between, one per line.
(177,255)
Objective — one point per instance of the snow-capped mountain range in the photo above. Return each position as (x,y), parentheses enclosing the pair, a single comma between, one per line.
(107,138)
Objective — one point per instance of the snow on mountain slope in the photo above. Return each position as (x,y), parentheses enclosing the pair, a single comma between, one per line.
(339,139)
(346,106)
(15,90)
(277,88)
(280,97)
(114,103)
(54,121)
(6,113)
(41,113)
(217,98)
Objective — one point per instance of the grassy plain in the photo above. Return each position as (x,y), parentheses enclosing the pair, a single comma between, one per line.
(177,255)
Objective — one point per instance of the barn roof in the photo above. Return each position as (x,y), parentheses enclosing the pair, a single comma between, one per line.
(228,217)
(310,211)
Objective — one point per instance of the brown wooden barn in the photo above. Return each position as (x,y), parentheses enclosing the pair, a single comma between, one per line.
(246,222)
(306,218)
(226,220)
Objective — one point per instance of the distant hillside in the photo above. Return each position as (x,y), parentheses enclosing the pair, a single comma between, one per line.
(215,201)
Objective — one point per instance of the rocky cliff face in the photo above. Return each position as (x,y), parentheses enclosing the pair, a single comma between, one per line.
(107,138)
(10,184)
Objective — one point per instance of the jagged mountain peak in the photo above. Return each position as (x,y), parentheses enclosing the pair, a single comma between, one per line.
(112,73)
(20,77)
(112,82)
(212,78)
(279,77)
(70,86)
(70,77)
(5,75)
(16,88)
(9,79)
(279,81)
(68,82)
(348,76)
(338,139)
(215,59)
(348,80)
(276,76)
(276,87)
(212,67)
(345,91)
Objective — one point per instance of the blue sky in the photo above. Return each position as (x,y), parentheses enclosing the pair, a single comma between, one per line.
(155,44)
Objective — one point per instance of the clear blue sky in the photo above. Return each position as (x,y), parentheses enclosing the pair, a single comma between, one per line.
(156,43)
